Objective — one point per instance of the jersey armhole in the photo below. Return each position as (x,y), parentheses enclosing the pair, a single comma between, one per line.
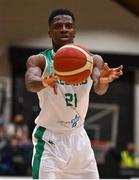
(46,65)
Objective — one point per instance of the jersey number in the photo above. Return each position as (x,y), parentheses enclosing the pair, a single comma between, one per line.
(71,99)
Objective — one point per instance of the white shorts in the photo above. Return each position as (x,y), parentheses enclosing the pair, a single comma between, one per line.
(63,155)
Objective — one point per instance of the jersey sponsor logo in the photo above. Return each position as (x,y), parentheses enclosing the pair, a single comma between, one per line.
(63,83)
(73,122)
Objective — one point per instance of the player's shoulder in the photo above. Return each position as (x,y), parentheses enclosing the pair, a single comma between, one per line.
(97,57)
(40,57)
(98,61)
(35,60)
(36,57)
(47,52)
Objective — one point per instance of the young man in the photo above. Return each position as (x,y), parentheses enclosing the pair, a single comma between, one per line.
(61,146)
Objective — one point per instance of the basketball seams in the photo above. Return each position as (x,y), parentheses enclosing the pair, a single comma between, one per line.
(69,55)
(73,71)
(68,66)
(78,48)
(88,66)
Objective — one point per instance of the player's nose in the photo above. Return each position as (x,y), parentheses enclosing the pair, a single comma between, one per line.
(64,28)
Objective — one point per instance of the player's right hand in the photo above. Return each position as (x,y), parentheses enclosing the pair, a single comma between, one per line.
(108,75)
(50,81)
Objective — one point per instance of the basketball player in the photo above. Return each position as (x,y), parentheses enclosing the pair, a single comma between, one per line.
(61,146)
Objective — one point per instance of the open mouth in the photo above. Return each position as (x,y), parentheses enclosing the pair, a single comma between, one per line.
(64,38)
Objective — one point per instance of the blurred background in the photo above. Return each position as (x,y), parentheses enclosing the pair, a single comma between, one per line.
(106,27)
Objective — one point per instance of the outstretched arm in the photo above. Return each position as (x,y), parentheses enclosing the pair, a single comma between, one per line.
(102,75)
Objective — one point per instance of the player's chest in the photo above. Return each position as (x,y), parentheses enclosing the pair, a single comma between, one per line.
(81,88)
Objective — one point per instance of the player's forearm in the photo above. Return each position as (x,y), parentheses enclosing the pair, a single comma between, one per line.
(34,85)
(100,89)
(33,79)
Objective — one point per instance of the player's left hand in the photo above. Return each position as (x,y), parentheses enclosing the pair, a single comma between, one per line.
(108,75)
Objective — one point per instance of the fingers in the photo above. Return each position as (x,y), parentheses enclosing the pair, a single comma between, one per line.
(116,74)
(105,64)
(109,79)
(118,71)
(119,68)
(121,73)
(110,74)
(106,67)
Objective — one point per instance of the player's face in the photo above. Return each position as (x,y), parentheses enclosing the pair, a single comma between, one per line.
(62,30)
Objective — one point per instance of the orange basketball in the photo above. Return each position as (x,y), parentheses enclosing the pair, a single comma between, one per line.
(73,63)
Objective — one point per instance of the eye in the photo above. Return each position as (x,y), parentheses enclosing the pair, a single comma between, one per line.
(57,26)
(69,26)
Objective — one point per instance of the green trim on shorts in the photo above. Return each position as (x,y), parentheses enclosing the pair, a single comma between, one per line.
(39,151)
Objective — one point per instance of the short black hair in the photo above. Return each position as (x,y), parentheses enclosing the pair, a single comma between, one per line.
(57,12)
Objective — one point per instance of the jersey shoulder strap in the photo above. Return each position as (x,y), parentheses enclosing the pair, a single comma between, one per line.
(48,70)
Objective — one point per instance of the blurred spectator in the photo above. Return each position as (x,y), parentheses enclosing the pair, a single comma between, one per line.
(1,120)
(112,160)
(129,157)
(26,147)
(129,164)
(109,169)
(20,146)
(5,166)
(17,157)
(17,126)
